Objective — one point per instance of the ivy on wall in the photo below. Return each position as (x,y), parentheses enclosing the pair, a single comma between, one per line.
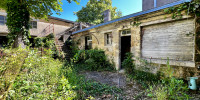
(18,18)
(191,8)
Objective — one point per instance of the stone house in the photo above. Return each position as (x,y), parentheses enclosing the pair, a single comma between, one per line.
(39,27)
(150,35)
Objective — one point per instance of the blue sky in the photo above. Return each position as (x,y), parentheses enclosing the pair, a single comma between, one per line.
(126,6)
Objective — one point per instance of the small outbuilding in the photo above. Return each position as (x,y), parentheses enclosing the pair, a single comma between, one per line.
(150,35)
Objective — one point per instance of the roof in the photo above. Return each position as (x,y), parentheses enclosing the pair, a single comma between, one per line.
(60,19)
(134,15)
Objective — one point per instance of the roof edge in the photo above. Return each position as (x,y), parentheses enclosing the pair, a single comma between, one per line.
(134,15)
(60,19)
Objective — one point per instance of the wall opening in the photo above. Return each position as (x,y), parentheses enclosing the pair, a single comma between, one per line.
(125,47)
(88,42)
(3,41)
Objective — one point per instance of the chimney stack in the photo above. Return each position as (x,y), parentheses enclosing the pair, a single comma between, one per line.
(107,15)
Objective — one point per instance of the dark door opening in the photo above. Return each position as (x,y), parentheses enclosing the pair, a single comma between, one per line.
(125,47)
(88,42)
(3,41)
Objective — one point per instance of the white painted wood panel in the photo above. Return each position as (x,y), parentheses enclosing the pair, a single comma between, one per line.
(171,40)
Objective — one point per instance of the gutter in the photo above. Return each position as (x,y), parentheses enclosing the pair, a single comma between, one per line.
(134,15)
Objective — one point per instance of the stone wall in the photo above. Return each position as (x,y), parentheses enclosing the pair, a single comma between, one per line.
(176,32)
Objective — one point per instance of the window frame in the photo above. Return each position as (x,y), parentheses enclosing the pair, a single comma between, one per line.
(108,39)
(4,20)
(32,26)
(89,41)
(126,34)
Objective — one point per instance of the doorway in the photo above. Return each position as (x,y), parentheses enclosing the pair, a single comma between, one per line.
(3,41)
(125,47)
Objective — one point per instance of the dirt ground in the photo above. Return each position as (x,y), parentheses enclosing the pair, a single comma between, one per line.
(130,90)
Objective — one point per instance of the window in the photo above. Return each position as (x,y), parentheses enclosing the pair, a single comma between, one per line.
(88,42)
(108,38)
(125,32)
(33,24)
(2,20)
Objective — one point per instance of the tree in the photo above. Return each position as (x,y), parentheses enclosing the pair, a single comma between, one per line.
(19,13)
(93,12)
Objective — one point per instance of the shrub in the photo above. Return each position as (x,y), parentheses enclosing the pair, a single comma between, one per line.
(94,60)
(128,63)
(48,43)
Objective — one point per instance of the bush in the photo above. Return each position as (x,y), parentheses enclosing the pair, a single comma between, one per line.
(128,63)
(93,60)
(48,43)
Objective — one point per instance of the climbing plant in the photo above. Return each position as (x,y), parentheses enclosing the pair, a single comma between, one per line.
(190,8)
(19,13)
(18,18)
(135,22)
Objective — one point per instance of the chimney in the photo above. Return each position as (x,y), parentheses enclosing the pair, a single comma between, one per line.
(150,4)
(107,15)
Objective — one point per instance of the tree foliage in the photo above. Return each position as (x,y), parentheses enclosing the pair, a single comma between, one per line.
(19,13)
(93,12)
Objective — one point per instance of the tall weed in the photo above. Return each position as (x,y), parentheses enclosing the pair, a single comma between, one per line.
(170,88)
(10,66)
(40,78)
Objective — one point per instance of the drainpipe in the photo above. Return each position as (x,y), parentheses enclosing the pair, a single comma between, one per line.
(155,3)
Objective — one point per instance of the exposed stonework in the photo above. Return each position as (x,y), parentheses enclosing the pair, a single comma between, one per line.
(152,22)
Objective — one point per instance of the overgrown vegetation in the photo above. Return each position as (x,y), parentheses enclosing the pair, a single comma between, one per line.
(170,88)
(46,42)
(160,87)
(93,60)
(141,74)
(128,63)
(27,74)
(19,13)
(87,88)
(10,65)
